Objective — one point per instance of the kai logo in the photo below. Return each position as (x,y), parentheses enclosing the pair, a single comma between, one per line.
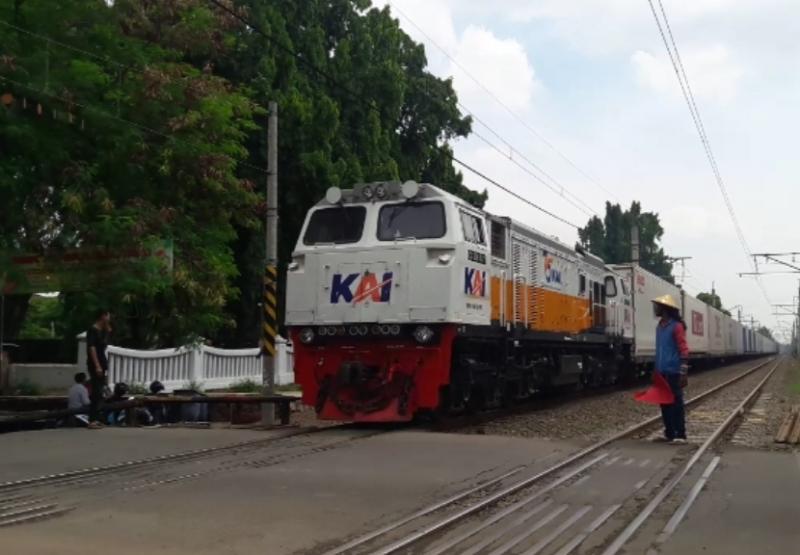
(552,274)
(367,288)
(474,282)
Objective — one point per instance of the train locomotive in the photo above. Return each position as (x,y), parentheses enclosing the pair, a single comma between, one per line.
(404,299)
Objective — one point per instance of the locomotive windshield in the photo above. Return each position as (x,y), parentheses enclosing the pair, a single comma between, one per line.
(411,220)
(339,225)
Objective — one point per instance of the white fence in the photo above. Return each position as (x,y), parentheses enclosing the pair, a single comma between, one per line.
(211,367)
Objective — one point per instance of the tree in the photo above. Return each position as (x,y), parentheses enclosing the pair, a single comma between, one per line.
(610,238)
(117,142)
(44,319)
(359,106)
(714,300)
(129,122)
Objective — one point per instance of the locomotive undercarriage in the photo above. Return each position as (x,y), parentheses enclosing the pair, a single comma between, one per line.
(491,370)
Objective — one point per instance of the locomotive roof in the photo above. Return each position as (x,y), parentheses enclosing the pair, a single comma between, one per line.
(430,191)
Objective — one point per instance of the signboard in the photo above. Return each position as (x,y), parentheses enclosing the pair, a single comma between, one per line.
(697,323)
(554,271)
(75,270)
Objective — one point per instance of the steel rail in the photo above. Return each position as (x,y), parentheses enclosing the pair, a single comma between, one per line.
(636,523)
(49,479)
(428,530)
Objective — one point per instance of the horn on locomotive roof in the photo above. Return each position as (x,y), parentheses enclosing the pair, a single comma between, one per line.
(333,195)
(410,189)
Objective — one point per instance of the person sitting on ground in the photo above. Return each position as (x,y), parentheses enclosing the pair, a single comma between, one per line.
(119,417)
(78,399)
(159,412)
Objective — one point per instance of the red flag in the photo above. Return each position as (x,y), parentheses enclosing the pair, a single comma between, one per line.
(657,394)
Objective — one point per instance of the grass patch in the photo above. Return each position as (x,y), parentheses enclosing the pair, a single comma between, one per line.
(194,385)
(793,378)
(288,387)
(245,386)
(27,388)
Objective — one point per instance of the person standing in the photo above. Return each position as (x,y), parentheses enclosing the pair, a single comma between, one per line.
(97,361)
(672,354)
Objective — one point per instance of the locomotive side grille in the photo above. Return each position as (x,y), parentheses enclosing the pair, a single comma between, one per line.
(524,264)
(519,283)
(533,282)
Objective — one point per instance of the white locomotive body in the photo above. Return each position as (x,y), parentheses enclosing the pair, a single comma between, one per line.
(403,298)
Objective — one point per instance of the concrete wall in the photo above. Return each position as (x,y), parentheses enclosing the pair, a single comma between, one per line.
(46,377)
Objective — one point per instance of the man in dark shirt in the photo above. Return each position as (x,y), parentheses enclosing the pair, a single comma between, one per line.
(97,362)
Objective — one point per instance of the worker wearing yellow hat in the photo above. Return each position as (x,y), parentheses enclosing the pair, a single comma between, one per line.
(672,354)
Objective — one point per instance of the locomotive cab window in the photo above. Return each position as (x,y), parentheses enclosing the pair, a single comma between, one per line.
(498,240)
(582,285)
(611,287)
(339,225)
(473,228)
(411,220)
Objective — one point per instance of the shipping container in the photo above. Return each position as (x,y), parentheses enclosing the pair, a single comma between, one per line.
(695,313)
(716,339)
(645,287)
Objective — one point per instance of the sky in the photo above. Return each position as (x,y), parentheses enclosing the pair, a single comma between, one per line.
(586,91)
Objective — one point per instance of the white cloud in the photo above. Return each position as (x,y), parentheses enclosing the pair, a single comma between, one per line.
(713,73)
(604,92)
(501,65)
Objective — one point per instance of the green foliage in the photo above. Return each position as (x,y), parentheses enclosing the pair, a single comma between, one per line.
(138,389)
(136,130)
(43,312)
(194,385)
(27,388)
(610,238)
(713,299)
(381,119)
(289,387)
(246,386)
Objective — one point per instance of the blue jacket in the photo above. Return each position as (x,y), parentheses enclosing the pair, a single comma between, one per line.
(668,352)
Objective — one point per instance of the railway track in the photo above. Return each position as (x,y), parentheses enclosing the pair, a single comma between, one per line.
(51,495)
(531,511)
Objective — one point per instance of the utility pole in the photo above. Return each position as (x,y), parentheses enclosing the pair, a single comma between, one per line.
(269,325)
(682,260)
(635,244)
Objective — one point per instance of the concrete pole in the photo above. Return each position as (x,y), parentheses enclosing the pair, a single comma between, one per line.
(4,366)
(270,300)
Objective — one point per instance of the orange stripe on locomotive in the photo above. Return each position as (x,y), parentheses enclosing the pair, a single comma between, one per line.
(540,308)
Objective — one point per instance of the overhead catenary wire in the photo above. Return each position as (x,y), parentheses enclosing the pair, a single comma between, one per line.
(586,210)
(371,105)
(553,184)
(63,44)
(683,80)
(512,193)
(503,105)
(102,113)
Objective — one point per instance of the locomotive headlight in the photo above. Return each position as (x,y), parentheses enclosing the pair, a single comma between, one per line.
(380,192)
(367,192)
(423,334)
(306,335)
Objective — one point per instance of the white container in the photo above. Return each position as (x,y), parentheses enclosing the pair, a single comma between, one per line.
(695,313)
(646,287)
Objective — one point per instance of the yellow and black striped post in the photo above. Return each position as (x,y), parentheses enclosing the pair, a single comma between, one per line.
(269,322)
(269,326)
